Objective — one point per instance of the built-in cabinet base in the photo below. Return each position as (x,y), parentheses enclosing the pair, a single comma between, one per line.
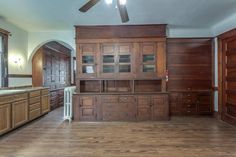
(128,107)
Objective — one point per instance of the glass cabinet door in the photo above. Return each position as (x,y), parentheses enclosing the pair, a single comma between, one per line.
(124,63)
(148,60)
(87,62)
(108,60)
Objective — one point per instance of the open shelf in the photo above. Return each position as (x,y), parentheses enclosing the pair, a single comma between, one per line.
(113,86)
(147,86)
(90,86)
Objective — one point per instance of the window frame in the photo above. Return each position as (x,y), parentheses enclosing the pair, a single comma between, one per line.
(4,62)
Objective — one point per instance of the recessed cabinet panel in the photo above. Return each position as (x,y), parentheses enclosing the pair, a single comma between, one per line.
(87,107)
(19,113)
(5,118)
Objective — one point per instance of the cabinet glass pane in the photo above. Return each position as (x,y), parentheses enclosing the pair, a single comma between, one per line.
(88,69)
(108,68)
(148,58)
(124,68)
(108,59)
(148,68)
(124,58)
(87,59)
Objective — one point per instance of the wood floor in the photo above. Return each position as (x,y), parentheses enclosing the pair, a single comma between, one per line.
(181,137)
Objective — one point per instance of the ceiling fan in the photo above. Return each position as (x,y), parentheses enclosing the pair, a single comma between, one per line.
(121,4)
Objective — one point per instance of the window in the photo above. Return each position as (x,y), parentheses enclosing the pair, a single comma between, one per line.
(3,58)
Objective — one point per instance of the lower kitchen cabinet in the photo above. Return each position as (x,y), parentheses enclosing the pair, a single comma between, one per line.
(19,113)
(16,109)
(5,118)
(45,104)
(191,103)
(87,108)
(121,107)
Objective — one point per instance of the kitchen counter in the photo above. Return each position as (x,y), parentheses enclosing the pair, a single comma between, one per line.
(4,92)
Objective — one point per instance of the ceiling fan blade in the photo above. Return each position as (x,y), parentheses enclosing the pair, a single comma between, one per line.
(123,12)
(88,5)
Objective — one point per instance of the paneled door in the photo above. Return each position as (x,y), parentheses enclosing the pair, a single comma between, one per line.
(229,80)
(87,106)
(144,107)
(19,113)
(5,118)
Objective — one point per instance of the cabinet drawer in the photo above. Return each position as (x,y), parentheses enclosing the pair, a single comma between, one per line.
(13,98)
(126,99)
(34,100)
(45,92)
(110,99)
(189,96)
(34,114)
(34,94)
(34,106)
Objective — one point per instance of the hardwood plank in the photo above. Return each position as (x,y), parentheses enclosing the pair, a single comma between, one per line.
(180,137)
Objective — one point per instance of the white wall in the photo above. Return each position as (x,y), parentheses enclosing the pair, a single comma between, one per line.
(225,25)
(17,51)
(189,32)
(37,39)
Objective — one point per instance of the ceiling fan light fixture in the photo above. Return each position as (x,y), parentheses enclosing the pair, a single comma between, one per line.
(122,2)
(109,1)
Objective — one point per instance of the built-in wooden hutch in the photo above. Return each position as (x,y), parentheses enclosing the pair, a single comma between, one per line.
(121,73)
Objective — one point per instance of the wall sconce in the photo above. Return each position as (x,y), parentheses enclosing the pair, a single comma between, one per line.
(16,61)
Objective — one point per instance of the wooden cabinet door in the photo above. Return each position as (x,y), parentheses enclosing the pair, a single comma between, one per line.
(19,113)
(147,60)
(87,108)
(108,61)
(45,104)
(160,108)
(5,118)
(204,103)
(125,60)
(87,67)
(144,108)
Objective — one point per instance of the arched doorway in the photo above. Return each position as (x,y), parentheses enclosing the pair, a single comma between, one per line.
(51,67)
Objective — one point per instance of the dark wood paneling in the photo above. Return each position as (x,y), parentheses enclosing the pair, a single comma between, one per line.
(227,76)
(127,31)
(190,68)
(51,67)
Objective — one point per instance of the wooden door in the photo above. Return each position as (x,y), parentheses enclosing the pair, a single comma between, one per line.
(45,102)
(108,61)
(160,107)
(87,108)
(147,60)
(125,61)
(229,80)
(87,67)
(144,108)
(19,113)
(5,118)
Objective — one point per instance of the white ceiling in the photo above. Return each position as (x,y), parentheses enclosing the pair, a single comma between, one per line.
(41,15)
